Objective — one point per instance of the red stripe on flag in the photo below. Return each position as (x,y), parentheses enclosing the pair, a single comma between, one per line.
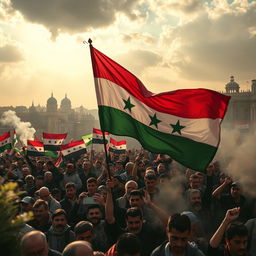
(35,143)
(54,136)
(72,144)
(117,143)
(187,103)
(97,131)
(5,136)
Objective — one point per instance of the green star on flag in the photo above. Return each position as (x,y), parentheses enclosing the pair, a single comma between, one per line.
(177,127)
(128,104)
(154,120)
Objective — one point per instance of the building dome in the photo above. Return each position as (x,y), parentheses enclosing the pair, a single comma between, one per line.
(232,86)
(65,104)
(52,104)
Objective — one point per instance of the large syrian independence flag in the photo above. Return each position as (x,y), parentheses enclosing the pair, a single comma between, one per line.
(53,141)
(35,148)
(5,142)
(117,147)
(73,149)
(97,136)
(184,124)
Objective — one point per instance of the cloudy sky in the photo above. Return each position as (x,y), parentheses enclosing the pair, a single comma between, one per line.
(168,44)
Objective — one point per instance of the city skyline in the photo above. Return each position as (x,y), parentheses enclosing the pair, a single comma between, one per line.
(167,44)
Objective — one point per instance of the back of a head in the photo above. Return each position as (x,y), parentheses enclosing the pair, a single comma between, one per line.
(78,248)
(128,244)
(179,222)
(32,241)
(82,227)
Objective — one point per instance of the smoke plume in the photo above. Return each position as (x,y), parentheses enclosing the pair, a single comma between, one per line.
(23,129)
(237,154)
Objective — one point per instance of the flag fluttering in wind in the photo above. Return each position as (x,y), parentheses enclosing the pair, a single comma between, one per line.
(184,124)
(87,139)
(117,147)
(35,148)
(14,140)
(59,160)
(98,136)
(73,149)
(53,141)
(5,142)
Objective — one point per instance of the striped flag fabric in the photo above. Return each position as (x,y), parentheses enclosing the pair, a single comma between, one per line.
(35,148)
(87,139)
(59,161)
(117,147)
(97,137)
(73,149)
(184,124)
(5,142)
(52,141)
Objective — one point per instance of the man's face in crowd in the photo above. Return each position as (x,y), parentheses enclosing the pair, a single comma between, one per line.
(129,187)
(70,192)
(86,164)
(91,187)
(25,171)
(59,223)
(150,184)
(44,195)
(160,168)
(196,201)
(40,212)
(94,216)
(178,241)
(86,236)
(98,164)
(195,183)
(134,224)
(136,201)
(26,207)
(235,191)
(237,245)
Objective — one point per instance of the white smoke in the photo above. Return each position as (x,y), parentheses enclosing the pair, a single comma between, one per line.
(237,154)
(23,129)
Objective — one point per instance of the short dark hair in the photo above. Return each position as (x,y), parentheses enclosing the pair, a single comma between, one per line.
(93,206)
(59,212)
(236,229)
(40,202)
(83,226)
(91,180)
(133,212)
(70,185)
(136,192)
(179,222)
(150,176)
(128,243)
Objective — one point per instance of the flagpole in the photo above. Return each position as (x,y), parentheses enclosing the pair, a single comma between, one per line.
(103,132)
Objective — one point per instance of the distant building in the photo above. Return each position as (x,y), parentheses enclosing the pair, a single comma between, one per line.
(242,107)
(76,122)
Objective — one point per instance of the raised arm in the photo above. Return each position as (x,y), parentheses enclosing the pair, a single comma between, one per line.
(109,206)
(219,189)
(231,215)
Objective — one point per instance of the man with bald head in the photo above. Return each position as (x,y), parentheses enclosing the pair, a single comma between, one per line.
(34,243)
(45,194)
(78,248)
(123,201)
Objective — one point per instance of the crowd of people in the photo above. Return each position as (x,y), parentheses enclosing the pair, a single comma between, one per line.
(139,204)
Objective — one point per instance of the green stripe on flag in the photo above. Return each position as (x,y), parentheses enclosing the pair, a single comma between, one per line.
(186,151)
(87,139)
(51,154)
